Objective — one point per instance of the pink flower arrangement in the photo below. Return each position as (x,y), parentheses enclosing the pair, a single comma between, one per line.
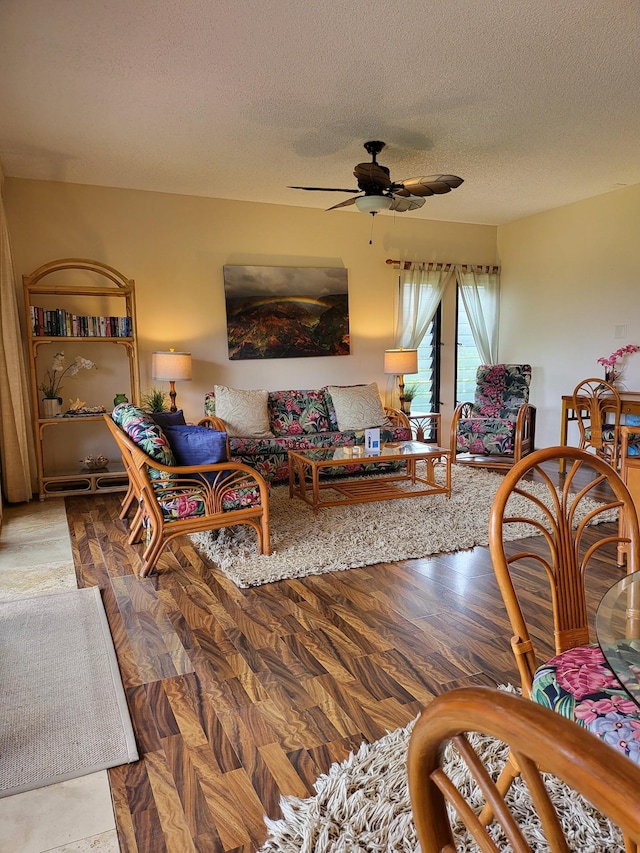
(610,364)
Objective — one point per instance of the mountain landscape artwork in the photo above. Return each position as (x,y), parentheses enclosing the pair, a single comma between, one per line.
(286,312)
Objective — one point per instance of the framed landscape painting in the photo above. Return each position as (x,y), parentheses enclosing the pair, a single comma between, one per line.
(286,312)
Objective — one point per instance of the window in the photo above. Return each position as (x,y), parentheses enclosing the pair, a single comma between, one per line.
(427,380)
(467,357)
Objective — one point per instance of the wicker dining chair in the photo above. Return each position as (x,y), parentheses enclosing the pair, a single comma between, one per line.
(535,736)
(598,410)
(575,680)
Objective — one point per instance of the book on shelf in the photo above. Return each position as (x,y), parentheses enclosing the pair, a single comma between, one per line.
(58,322)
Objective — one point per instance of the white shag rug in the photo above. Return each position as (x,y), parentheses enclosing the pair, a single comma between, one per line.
(362,804)
(345,537)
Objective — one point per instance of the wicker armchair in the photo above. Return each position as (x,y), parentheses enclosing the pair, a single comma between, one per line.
(498,428)
(174,500)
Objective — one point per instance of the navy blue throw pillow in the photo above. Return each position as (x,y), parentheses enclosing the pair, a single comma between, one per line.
(196,445)
(165,419)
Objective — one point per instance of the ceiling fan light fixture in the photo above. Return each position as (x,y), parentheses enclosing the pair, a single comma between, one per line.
(373,203)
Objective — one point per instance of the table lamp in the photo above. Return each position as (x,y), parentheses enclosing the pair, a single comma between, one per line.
(401,361)
(171,367)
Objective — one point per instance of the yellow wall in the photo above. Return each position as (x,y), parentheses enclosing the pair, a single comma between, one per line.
(569,277)
(175,247)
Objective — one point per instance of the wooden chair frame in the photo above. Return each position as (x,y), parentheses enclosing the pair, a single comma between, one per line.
(523,438)
(535,735)
(149,516)
(559,553)
(593,401)
(565,564)
(630,473)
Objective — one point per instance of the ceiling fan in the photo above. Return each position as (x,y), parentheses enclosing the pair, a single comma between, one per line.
(381,193)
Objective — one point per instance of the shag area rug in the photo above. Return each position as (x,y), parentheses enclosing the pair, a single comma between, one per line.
(345,537)
(362,804)
(63,712)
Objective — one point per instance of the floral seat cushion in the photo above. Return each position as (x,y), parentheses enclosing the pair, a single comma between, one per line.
(270,456)
(633,448)
(485,435)
(178,504)
(579,684)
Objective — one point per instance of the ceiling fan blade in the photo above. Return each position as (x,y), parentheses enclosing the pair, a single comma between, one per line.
(324,189)
(401,205)
(343,203)
(372,176)
(429,185)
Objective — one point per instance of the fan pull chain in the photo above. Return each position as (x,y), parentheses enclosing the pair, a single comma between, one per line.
(373,219)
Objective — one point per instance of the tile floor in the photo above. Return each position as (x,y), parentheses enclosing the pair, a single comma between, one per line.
(74,816)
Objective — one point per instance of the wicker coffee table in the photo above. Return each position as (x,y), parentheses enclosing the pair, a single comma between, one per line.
(306,467)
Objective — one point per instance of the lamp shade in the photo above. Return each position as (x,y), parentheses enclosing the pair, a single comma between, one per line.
(171,366)
(373,203)
(401,361)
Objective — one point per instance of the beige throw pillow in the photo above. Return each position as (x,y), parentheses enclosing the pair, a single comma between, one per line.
(357,406)
(244,413)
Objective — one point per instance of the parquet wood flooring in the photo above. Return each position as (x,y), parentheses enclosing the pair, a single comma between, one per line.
(240,696)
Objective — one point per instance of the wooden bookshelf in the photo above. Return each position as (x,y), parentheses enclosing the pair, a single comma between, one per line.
(70,283)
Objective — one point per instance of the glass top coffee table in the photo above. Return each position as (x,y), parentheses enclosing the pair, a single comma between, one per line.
(307,466)
(618,632)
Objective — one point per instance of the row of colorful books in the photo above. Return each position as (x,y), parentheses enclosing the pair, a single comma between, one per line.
(59,322)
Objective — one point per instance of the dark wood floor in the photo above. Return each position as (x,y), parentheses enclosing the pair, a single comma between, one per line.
(240,696)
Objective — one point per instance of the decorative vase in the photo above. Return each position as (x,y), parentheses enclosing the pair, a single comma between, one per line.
(120,398)
(52,407)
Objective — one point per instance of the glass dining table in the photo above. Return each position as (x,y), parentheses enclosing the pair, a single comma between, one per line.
(617,627)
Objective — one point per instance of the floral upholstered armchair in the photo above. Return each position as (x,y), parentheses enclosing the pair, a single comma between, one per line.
(498,428)
(186,485)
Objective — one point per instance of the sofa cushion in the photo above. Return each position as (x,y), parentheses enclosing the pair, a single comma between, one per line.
(270,456)
(633,448)
(165,419)
(298,412)
(283,443)
(195,445)
(144,432)
(501,389)
(357,407)
(244,412)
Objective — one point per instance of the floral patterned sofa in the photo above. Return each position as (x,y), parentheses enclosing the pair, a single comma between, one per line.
(500,423)
(303,420)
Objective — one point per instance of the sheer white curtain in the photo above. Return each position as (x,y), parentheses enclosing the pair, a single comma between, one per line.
(479,289)
(421,289)
(17,454)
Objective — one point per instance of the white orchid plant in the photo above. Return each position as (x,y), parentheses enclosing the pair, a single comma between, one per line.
(51,387)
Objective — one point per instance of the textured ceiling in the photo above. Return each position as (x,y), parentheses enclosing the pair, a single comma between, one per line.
(535,103)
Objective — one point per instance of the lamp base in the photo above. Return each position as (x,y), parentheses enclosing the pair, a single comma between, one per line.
(172,394)
(403,402)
